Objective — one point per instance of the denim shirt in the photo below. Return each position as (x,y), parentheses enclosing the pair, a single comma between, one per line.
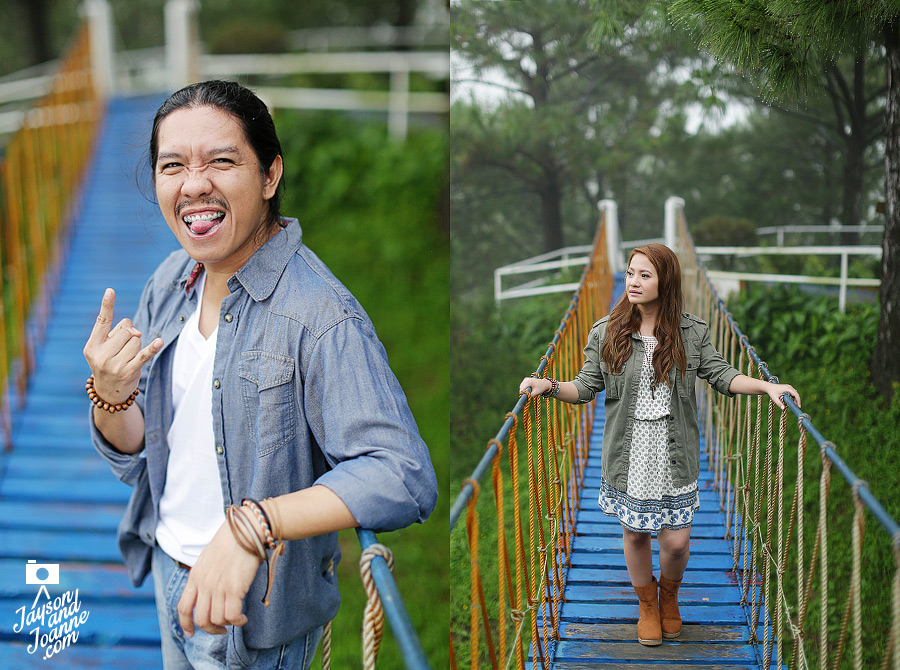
(302,395)
(703,361)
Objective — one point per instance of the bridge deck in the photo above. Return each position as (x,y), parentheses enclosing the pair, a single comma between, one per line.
(598,620)
(59,502)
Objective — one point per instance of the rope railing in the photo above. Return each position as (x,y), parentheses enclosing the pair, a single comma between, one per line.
(40,175)
(535,501)
(781,563)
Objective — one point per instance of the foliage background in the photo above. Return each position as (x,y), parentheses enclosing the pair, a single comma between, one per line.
(371,209)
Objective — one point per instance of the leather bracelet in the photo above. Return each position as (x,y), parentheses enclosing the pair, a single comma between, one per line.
(106,406)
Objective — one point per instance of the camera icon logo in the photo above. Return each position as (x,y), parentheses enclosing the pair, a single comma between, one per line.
(41,573)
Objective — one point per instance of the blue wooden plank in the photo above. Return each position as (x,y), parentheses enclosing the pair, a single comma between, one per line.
(621,593)
(126,622)
(59,546)
(98,580)
(600,652)
(49,515)
(81,656)
(619,575)
(107,490)
(627,632)
(628,612)
(79,465)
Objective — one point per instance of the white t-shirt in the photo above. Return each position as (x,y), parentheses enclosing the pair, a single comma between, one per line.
(191,509)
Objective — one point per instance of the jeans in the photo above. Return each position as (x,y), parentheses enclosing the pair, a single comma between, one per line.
(203,651)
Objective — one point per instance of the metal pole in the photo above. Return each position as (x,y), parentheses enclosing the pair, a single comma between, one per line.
(392,602)
(180,42)
(613,235)
(842,296)
(398,110)
(673,204)
(99,17)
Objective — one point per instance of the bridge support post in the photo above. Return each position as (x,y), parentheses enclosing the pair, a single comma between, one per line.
(99,17)
(613,235)
(673,204)
(181,43)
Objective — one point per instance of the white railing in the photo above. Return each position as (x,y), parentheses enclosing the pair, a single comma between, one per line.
(399,102)
(179,62)
(843,281)
(541,263)
(553,261)
(779,231)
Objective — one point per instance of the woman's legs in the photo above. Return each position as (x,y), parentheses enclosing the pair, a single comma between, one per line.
(674,551)
(640,569)
(637,556)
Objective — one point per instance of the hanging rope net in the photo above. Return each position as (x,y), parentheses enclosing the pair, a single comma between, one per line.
(777,494)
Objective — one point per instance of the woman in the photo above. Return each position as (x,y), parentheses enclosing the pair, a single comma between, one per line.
(647,355)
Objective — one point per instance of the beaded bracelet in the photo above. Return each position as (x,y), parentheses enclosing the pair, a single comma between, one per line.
(553,390)
(112,408)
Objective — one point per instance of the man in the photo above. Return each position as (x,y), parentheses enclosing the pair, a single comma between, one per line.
(248,373)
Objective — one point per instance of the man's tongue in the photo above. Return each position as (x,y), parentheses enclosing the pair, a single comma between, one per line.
(201,227)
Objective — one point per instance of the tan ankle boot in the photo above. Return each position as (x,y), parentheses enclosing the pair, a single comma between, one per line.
(649,630)
(668,608)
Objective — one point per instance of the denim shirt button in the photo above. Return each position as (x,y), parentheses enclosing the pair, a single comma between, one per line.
(220,449)
(181,319)
(228,318)
(152,437)
(216,384)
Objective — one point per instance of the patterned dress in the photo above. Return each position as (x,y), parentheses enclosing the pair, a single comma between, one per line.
(651,501)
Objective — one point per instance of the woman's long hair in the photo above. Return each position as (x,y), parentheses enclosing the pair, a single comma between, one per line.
(625,319)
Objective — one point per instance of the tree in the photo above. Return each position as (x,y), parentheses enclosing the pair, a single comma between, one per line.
(784,44)
(574,122)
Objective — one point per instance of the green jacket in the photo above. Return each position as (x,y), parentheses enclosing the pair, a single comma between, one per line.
(621,394)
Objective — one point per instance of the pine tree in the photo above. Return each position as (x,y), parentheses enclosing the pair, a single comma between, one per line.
(785,45)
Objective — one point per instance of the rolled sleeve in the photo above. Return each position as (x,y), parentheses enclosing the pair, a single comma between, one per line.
(380,466)
(713,367)
(589,381)
(127,467)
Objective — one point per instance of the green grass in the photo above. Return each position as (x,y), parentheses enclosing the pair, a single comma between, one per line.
(369,208)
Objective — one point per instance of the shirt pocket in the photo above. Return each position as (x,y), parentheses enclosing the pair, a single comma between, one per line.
(614,382)
(690,375)
(268,391)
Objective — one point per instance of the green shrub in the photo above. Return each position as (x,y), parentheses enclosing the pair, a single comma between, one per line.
(825,355)
(368,207)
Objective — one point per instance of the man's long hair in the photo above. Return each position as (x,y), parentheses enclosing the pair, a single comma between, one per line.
(625,319)
(250,113)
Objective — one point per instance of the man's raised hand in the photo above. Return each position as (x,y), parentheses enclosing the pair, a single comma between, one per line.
(115,354)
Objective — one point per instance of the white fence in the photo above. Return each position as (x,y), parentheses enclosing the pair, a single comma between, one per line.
(554,261)
(179,63)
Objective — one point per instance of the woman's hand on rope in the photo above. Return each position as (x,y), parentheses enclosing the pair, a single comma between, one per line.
(775,391)
(116,355)
(538,385)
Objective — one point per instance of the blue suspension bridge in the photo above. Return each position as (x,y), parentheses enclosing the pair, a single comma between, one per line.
(547,582)
(72,224)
